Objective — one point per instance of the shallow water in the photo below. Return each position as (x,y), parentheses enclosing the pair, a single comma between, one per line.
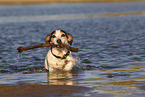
(111,48)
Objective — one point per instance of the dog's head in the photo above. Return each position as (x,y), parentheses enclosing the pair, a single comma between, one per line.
(59,36)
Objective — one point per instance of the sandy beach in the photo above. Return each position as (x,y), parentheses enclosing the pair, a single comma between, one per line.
(11,2)
(37,90)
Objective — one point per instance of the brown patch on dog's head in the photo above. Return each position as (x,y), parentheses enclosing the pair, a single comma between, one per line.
(70,38)
(47,38)
(50,37)
(63,35)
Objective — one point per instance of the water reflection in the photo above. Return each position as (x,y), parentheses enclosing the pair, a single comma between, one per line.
(61,78)
(119,82)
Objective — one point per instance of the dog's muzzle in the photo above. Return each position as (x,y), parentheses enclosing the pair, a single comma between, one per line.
(59,41)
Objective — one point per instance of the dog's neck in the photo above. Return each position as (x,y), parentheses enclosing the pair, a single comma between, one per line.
(58,51)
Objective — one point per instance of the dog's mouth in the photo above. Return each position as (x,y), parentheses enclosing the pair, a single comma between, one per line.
(58,46)
(59,43)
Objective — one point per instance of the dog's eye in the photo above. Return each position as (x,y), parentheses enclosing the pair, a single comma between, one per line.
(63,35)
(53,36)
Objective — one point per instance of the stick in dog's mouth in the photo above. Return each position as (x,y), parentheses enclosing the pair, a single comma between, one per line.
(21,49)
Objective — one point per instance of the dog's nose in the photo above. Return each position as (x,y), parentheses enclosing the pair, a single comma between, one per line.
(59,41)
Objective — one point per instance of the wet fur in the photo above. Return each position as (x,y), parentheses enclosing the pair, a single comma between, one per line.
(51,62)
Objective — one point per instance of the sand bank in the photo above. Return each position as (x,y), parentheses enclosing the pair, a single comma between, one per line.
(37,90)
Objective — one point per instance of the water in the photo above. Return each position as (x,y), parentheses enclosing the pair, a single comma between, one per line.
(111,49)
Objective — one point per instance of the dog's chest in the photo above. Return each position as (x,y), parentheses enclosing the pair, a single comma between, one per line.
(55,57)
(58,53)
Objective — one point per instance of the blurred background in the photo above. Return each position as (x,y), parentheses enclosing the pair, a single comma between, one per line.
(58,1)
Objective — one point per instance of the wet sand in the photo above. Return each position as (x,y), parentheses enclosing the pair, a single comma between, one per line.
(9,2)
(37,90)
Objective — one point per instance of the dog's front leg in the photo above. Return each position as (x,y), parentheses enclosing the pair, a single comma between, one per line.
(69,65)
(47,67)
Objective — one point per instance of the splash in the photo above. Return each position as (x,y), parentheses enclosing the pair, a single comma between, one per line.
(77,60)
(82,66)
(19,58)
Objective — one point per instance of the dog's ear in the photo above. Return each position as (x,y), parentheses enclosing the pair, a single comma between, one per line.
(70,38)
(47,39)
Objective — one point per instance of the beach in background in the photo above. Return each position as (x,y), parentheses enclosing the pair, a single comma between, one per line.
(11,2)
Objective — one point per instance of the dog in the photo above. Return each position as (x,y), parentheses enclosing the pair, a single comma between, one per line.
(59,58)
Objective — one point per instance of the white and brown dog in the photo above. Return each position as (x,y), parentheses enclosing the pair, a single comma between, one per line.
(59,58)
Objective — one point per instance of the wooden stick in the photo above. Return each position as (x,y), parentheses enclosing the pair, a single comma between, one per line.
(21,49)
(69,48)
